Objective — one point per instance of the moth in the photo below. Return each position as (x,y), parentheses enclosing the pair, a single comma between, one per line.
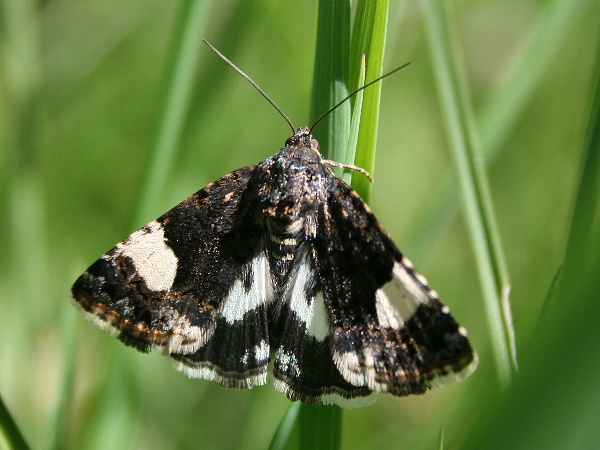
(279,264)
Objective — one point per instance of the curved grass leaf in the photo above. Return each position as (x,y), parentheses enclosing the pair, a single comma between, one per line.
(479,214)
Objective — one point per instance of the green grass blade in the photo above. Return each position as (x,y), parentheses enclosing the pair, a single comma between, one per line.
(479,214)
(331,78)
(498,118)
(557,364)
(10,435)
(333,72)
(283,437)
(62,417)
(182,62)
(584,228)
(370,26)
(504,107)
(356,116)
(320,427)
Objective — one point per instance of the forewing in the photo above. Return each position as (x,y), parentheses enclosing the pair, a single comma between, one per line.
(193,283)
(390,332)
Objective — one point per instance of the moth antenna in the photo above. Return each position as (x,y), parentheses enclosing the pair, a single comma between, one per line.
(356,92)
(247,78)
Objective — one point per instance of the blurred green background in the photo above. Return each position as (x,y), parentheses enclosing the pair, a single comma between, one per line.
(82,93)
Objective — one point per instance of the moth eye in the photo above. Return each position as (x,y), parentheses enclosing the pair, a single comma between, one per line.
(289,141)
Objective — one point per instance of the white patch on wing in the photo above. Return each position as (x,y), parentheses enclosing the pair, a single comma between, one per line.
(311,311)
(260,352)
(295,227)
(398,299)
(387,316)
(154,261)
(329,399)
(240,301)
(359,373)
(443,379)
(348,403)
(186,338)
(350,368)
(207,371)
(286,361)
(298,301)
(319,325)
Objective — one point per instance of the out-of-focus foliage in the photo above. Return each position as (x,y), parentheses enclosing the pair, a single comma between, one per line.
(81,99)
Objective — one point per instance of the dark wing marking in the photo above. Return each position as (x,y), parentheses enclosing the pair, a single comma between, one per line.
(169,285)
(236,355)
(390,331)
(301,339)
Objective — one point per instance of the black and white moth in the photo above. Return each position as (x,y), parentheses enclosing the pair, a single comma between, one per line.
(279,263)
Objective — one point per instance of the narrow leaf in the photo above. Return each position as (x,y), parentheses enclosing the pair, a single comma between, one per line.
(479,214)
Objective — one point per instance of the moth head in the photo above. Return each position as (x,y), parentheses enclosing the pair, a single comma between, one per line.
(303,138)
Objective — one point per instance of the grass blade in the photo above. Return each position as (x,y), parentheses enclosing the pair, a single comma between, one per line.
(479,215)
(331,77)
(181,66)
(283,437)
(320,426)
(10,434)
(62,418)
(370,26)
(565,352)
(356,116)
(500,114)
(504,107)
